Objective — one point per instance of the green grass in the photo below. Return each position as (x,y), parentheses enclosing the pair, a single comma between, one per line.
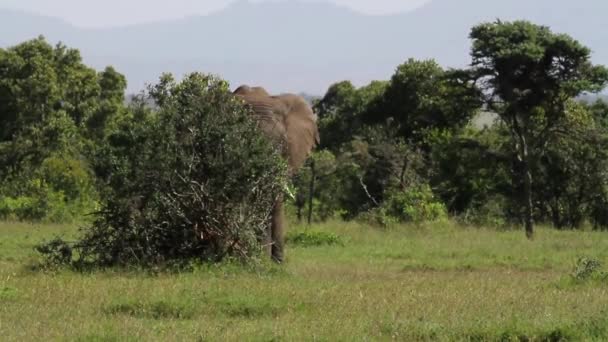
(410,283)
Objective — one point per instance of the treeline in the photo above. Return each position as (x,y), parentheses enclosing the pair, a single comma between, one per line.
(402,150)
(408,149)
(55,113)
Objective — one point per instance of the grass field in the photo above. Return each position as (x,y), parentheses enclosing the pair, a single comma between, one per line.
(409,283)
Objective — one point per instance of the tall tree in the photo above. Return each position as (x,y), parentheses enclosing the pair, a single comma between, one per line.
(528,75)
(340,111)
(49,100)
(421,96)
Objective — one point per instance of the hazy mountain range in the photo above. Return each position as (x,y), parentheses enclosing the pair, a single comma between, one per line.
(295,46)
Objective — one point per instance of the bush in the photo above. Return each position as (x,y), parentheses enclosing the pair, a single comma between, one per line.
(417,204)
(489,214)
(313,238)
(60,190)
(192,180)
(588,269)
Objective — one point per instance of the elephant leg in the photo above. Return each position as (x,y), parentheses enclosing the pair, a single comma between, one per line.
(277,231)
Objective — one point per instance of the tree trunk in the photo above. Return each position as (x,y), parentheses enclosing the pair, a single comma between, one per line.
(527,177)
(555,216)
(299,214)
(528,207)
(311,190)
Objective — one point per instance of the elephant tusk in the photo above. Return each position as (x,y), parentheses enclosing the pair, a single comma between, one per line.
(288,192)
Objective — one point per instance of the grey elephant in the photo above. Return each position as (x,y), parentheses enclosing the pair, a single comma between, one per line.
(289,120)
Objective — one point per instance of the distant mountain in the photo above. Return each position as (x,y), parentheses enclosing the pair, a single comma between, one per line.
(304,47)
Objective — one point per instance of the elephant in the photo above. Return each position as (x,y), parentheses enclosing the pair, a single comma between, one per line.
(289,120)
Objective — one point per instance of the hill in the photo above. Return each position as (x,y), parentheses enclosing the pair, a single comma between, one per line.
(303,46)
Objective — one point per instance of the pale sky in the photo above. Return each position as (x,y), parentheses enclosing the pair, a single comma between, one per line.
(108,13)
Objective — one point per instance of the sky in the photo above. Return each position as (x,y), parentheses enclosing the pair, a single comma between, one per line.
(111,13)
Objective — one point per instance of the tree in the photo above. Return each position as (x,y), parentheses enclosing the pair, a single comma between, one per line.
(52,107)
(422,96)
(528,74)
(340,111)
(470,171)
(111,102)
(48,97)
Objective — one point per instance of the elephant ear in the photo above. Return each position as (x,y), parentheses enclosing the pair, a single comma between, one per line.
(300,128)
(286,118)
(270,115)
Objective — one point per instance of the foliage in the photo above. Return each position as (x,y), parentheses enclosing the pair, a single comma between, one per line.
(193,180)
(470,167)
(61,190)
(572,183)
(50,104)
(311,238)
(528,74)
(369,169)
(588,269)
(494,212)
(57,251)
(67,139)
(341,111)
(416,204)
(421,96)
(322,165)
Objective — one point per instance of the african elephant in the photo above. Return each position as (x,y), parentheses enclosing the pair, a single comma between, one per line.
(290,120)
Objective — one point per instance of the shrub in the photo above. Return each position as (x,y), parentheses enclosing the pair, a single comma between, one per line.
(192,180)
(490,214)
(311,238)
(588,269)
(416,204)
(61,190)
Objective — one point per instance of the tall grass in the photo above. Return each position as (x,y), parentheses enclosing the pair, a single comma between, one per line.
(437,282)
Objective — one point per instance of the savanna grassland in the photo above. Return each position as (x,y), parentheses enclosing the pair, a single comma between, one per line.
(439,282)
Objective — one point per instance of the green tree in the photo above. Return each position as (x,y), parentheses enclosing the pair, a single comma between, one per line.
(112,86)
(47,99)
(421,96)
(470,173)
(528,74)
(51,106)
(340,111)
(572,182)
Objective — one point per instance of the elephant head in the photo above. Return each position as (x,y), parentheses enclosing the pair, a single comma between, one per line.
(289,120)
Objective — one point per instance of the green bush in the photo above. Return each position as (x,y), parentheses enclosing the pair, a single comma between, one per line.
(415,205)
(193,179)
(310,238)
(60,190)
(489,214)
(588,269)
(19,208)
